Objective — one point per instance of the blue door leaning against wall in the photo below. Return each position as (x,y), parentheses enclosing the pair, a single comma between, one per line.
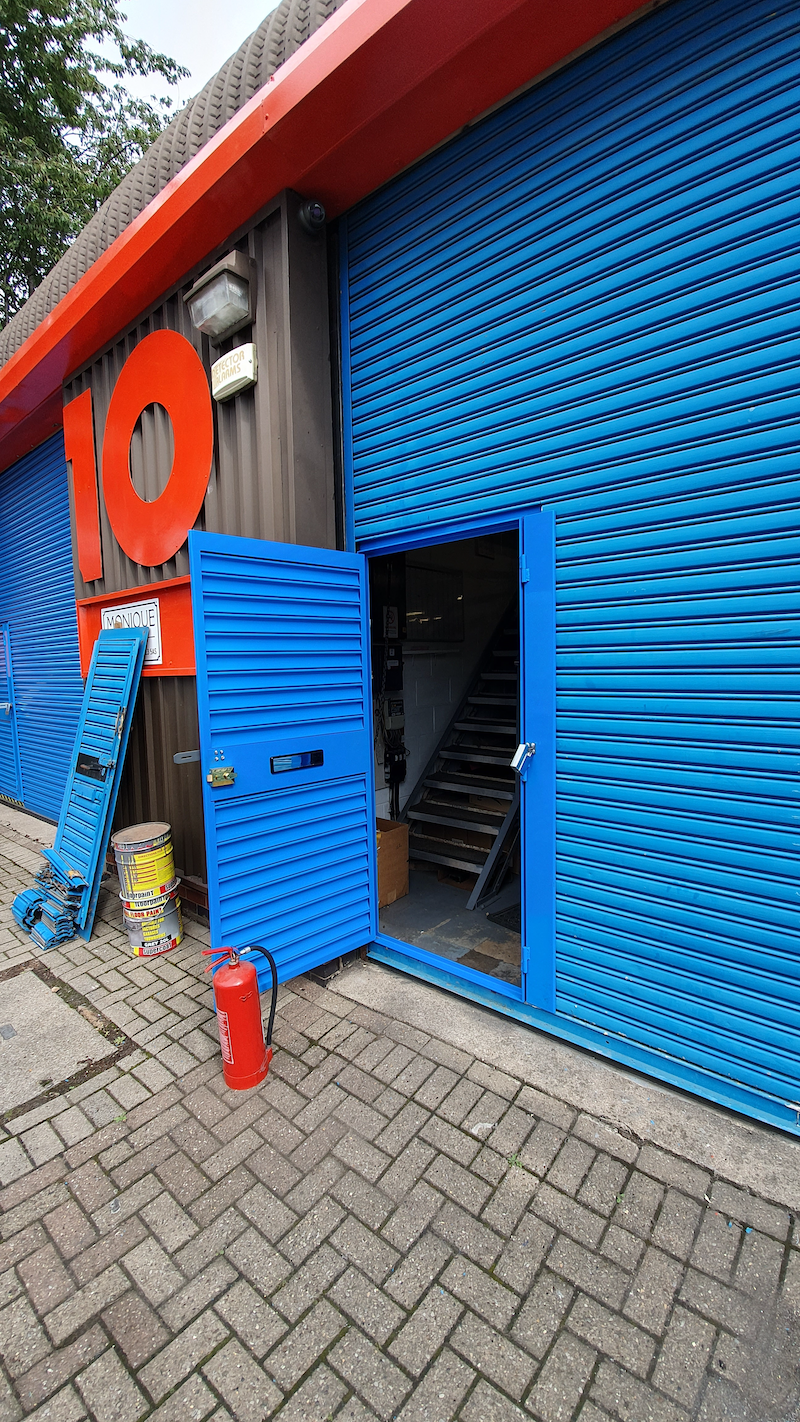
(282,651)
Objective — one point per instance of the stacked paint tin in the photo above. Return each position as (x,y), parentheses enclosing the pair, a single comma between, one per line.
(150,905)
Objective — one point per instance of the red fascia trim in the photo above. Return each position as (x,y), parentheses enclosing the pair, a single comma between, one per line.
(379,85)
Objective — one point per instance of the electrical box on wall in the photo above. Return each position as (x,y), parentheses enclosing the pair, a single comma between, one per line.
(394,714)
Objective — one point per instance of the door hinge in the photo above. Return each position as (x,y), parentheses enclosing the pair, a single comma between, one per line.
(524,570)
(220,775)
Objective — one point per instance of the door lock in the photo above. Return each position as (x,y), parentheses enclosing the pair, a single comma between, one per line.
(220,775)
(525,752)
(5,706)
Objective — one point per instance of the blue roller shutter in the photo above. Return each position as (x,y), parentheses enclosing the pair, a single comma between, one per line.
(590,300)
(37,601)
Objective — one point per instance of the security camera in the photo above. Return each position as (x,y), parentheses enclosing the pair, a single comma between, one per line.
(311,216)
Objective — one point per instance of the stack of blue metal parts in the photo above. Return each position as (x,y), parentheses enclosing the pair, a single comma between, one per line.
(49,912)
(27,907)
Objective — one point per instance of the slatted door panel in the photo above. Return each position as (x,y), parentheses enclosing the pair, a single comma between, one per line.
(281,645)
(590,301)
(98,754)
(10,778)
(37,600)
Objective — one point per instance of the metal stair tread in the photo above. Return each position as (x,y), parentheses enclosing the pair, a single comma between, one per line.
(456,820)
(470,785)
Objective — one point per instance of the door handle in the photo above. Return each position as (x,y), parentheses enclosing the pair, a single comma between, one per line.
(524,753)
(5,706)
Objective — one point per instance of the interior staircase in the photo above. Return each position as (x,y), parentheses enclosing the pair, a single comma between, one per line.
(464,810)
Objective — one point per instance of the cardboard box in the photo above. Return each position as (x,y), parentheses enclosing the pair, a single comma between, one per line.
(392,861)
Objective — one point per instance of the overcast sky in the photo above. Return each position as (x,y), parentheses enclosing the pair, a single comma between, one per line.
(200,34)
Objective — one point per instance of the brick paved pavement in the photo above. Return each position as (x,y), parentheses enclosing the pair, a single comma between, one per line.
(388,1228)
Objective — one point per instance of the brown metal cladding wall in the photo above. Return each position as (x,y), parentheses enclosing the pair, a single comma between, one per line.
(272,477)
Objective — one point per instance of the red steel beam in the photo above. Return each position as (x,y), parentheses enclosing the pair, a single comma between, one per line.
(379,85)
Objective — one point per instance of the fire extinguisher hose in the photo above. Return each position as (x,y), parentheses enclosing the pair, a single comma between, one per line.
(256,948)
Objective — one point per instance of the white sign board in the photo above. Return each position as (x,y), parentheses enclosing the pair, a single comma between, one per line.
(234,371)
(138,614)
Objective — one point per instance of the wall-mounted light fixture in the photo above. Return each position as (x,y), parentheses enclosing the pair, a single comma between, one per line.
(222,300)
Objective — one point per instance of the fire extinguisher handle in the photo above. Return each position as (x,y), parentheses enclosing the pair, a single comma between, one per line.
(256,948)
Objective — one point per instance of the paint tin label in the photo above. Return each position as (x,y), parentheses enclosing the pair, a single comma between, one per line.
(225,1037)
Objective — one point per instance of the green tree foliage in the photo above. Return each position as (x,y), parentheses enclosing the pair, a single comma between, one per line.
(69,129)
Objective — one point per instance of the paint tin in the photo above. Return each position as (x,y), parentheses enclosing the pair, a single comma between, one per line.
(145,862)
(156,928)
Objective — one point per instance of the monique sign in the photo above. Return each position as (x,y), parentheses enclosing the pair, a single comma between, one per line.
(163,369)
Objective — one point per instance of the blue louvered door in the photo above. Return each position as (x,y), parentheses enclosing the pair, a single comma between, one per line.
(84,825)
(281,644)
(10,777)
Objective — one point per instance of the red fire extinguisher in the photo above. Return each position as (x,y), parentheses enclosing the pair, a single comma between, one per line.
(245,1054)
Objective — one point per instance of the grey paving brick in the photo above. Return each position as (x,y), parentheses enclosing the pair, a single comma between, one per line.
(604,1185)
(488,1405)
(367,1305)
(637,1209)
(413,1216)
(193,1400)
(202,1290)
(209,1242)
(604,1281)
(248,1391)
(55,1369)
(542,1314)
(306,1343)
(91,1299)
(683,1357)
(413,1075)
(364,1249)
(309,1234)
(494,1356)
(400,1131)
(237,1150)
(482,1294)
(112,1247)
(360,1119)
(307,1284)
(758,1271)
(91,1186)
(109,1391)
(672,1170)
(631,1400)
(358,1154)
(622,1246)
(489,1165)
(274,1170)
(316,1399)
(524,1253)
(407,1169)
(14,1163)
(411,1277)
(183,1355)
(169,1223)
(562,1380)
(135,1328)
(271,1216)
(42,1143)
(314,1185)
(570,1166)
(250,1317)
(230,1190)
(256,1258)
(717,1245)
(454,1142)
(749,1210)
(152,1271)
(421,1338)
(359,1083)
(66,1406)
(511,1132)
(677,1224)
(546,1108)
(22,1340)
(443,1387)
(541,1147)
(374,1377)
(653,1290)
(468,1235)
(606,1138)
(434,1089)
(494,1080)
(566,1214)
(611,1335)
(366,1201)
(460,1101)
(510,1200)
(460,1185)
(46,1281)
(70,1229)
